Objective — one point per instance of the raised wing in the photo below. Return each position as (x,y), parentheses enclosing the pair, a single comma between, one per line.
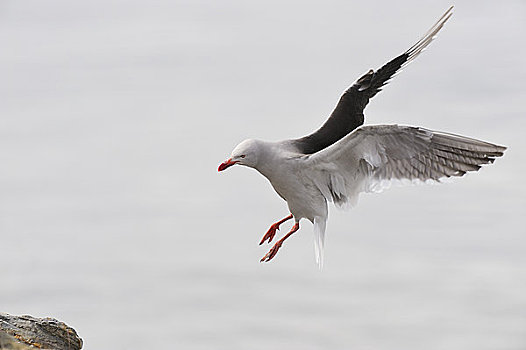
(372,157)
(348,114)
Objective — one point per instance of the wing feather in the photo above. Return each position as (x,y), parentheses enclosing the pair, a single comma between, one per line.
(348,113)
(373,157)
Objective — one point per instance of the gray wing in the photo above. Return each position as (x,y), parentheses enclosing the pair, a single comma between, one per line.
(348,114)
(372,157)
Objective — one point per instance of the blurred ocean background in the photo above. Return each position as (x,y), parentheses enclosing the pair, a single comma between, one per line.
(115,114)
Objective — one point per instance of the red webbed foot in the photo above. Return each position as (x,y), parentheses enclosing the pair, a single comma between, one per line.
(274,250)
(272,230)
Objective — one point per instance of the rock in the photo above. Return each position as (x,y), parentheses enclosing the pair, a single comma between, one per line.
(27,332)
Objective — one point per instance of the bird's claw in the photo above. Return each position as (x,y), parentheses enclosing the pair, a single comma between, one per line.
(272,252)
(270,234)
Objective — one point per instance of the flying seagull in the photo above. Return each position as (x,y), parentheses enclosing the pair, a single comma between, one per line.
(335,164)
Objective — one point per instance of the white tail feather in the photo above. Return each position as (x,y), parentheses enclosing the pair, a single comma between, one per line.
(319,240)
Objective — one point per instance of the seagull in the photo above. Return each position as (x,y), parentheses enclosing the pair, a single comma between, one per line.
(342,159)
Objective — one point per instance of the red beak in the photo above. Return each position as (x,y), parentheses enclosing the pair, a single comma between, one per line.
(226,164)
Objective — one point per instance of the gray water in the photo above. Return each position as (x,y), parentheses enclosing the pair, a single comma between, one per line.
(113,218)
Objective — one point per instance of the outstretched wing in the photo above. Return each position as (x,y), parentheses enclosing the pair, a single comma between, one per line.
(348,114)
(372,157)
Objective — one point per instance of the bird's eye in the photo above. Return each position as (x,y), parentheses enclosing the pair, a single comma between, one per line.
(242,156)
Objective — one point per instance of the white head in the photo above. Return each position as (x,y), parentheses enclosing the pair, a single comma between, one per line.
(246,153)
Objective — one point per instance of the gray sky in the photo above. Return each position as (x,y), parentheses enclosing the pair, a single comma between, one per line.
(115,115)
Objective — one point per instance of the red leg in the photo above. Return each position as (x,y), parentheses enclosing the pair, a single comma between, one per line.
(274,250)
(272,230)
